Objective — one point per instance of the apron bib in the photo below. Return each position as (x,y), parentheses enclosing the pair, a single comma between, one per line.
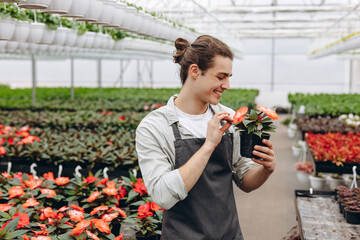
(209,211)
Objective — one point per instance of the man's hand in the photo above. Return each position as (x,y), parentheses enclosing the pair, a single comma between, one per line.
(267,154)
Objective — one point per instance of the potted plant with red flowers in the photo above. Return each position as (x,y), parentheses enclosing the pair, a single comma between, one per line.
(254,127)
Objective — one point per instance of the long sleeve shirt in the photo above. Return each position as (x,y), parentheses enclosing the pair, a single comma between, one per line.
(156,154)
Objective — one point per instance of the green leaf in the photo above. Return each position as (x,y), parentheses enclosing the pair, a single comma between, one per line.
(11,226)
(253,115)
(15,234)
(247,122)
(132,195)
(251,127)
(5,215)
(258,134)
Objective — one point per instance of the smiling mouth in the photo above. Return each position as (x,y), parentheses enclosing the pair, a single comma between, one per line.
(218,93)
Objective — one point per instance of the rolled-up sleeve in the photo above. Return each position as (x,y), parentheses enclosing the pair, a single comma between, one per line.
(164,183)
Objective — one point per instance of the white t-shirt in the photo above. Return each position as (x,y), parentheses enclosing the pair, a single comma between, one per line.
(196,124)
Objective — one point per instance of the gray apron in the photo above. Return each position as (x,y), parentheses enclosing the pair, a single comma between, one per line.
(209,211)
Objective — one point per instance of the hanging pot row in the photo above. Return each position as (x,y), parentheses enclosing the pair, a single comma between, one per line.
(112,14)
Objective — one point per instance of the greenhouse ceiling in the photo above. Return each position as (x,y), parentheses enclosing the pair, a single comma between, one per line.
(262,18)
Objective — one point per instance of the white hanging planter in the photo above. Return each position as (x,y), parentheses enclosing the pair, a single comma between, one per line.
(119,44)
(77,9)
(3,44)
(334,182)
(80,41)
(129,19)
(98,41)
(317,183)
(60,36)
(93,12)
(303,177)
(33,47)
(36,32)
(111,43)
(43,48)
(71,38)
(22,31)
(48,36)
(296,150)
(90,38)
(12,46)
(7,28)
(34,4)
(52,48)
(107,13)
(59,6)
(118,18)
(23,46)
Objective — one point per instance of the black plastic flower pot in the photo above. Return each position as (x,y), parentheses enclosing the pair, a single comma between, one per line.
(152,237)
(248,142)
(352,217)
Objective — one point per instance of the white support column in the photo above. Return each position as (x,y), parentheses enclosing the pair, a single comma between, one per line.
(72,77)
(355,86)
(99,75)
(34,79)
(138,73)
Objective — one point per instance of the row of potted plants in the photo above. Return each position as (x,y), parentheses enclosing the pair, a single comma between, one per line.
(332,105)
(46,207)
(111,147)
(110,99)
(349,203)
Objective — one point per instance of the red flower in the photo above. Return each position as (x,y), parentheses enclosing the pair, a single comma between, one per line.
(18,175)
(42,226)
(49,176)
(15,191)
(77,208)
(31,202)
(144,210)
(41,238)
(62,181)
(122,212)
(26,237)
(110,112)
(93,236)
(39,233)
(6,175)
(140,186)
(51,193)
(111,184)
(100,208)
(268,111)
(101,225)
(154,207)
(121,118)
(23,219)
(93,196)
(2,150)
(63,209)
(102,181)
(76,216)
(90,179)
(119,237)
(46,213)
(240,115)
(103,112)
(122,192)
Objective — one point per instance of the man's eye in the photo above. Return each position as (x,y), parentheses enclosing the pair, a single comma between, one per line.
(220,78)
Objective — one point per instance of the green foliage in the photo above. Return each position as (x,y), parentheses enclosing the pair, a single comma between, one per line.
(326,104)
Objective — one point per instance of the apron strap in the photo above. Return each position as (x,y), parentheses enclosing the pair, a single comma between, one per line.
(176,131)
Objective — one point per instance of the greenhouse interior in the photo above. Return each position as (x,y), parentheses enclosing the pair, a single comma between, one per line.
(180,120)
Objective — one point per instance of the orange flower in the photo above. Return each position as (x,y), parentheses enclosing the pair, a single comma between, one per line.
(109,217)
(41,238)
(111,191)
(76,216)
(4,207)
(6,175)
(101,225)
(100,208)
(15,191)
(144,210)
(93,196)
(26,237)
(23,219)
(119,237)
(122,212)
(33,184)
(268,111)
(240,115)
(46,213)
(51,193)
(111,184)
(31,202)
(77,208)
(62,181)
(154,207)
(42,226)
(39,233)
(2,150)
(49,176)
(80,227)
(63,209)
(93,236)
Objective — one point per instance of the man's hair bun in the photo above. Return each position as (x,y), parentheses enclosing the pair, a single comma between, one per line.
(181,46)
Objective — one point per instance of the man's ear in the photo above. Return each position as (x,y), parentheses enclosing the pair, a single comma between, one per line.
(194,71)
